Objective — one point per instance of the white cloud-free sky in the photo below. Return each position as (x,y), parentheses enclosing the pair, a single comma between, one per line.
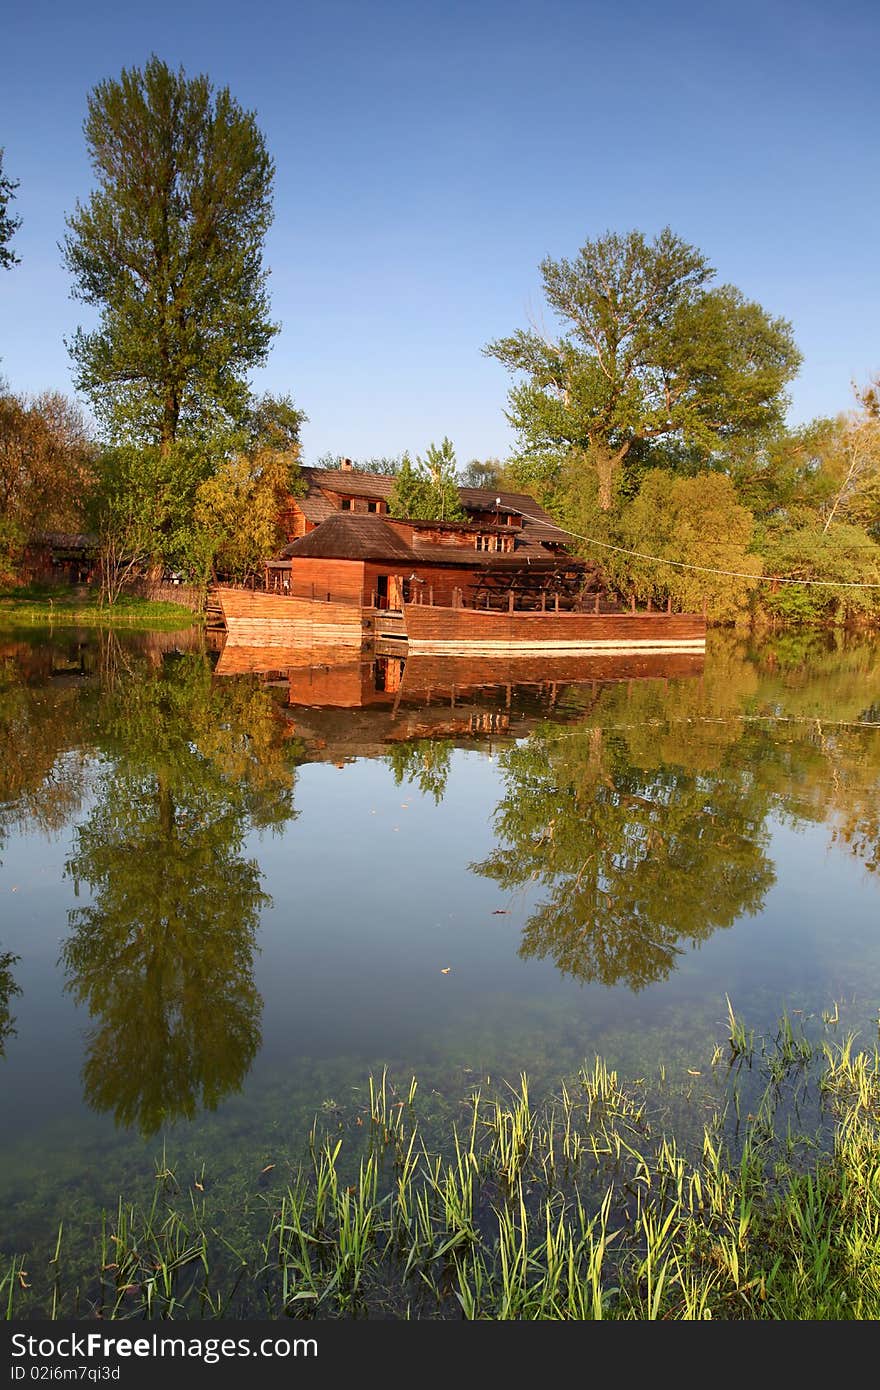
(429,155)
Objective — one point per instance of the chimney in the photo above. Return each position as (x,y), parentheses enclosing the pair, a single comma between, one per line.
(346,465)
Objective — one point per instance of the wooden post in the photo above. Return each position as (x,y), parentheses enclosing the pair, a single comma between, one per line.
(650,605)
(632,604)
(556,602)
(431,594)
(510,602)
(669,604)
(597,600)
(543,600)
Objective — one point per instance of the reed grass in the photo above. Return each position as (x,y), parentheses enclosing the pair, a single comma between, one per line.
(586,1207)
(63,605)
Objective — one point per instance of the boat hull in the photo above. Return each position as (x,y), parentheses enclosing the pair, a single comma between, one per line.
(259,619)
(254,618)
(461,631)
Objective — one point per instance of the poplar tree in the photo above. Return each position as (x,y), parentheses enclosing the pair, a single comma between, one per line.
(169,249)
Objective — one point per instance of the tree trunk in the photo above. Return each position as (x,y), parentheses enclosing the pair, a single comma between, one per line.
(607,465)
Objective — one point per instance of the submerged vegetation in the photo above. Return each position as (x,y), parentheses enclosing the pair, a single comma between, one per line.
(747,1190)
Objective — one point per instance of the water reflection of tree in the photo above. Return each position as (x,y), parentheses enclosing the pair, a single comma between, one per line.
(8,988)
(647,823)
(42,768)
(163,955)
(636,861)
(424,762)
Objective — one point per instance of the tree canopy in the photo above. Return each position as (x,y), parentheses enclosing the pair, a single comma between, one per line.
(238,509)
(46,462)
(649,353)
(169,249)
(427,489)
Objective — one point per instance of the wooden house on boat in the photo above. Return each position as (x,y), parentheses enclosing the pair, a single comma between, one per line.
(504,581)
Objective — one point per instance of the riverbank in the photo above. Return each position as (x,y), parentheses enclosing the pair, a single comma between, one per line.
(67,606)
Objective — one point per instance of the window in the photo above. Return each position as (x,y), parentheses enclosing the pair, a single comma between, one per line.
(372,506)
(345,504)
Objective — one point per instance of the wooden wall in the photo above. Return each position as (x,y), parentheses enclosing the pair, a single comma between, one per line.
(434,577)
(343,580)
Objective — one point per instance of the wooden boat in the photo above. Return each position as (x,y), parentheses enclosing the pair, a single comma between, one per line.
(436,630)
(256,618)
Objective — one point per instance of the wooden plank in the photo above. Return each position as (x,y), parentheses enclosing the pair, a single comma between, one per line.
(439,630)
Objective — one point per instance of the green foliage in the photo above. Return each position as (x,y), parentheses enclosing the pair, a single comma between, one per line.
(841,555)
(648,354)
(169,249)
(9,225)
(486,473)
(695,522)
(141,506)
(274,422)
(192,506)
(238,508)
(427,490)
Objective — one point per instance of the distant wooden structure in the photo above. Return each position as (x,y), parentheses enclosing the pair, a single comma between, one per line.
(60,557)
(435,587)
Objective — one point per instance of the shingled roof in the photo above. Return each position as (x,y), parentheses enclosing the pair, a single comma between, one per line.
(538,526)
(490,499)
(350,536)
(351,482)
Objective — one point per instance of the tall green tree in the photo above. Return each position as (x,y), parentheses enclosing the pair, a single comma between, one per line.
(427,490)
(9,225)
(649,353)
(169,249)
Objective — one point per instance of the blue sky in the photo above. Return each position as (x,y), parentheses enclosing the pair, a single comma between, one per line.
(429,155)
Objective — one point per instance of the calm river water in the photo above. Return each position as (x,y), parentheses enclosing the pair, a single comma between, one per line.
(234,885)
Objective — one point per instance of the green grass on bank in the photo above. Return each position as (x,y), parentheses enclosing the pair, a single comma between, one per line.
(603,1202)
(63,605)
